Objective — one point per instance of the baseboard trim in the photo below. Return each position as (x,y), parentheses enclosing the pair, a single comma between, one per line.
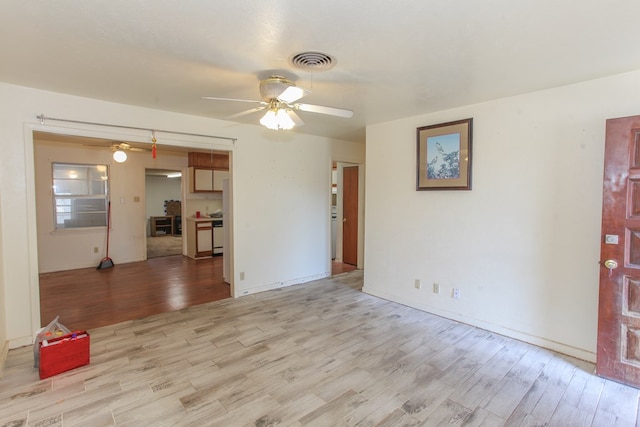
(501,330)
(3,357)
(278,285)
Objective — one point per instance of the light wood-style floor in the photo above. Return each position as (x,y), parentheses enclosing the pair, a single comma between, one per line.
(318,354)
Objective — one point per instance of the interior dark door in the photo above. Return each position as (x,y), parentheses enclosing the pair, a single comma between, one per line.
(618,356)
(350,215)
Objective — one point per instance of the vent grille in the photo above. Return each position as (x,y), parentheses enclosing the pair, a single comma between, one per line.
(313,61)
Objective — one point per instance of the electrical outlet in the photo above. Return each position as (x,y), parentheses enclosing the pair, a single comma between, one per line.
(456,293)
(242,275)
(436,288)
(95,249)
(418,284)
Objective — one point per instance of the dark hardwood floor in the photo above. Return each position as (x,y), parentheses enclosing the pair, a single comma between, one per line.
(89,298)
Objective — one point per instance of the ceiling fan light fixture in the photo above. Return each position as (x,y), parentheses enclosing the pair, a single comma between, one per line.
(284,120)
(277,119)
(269,120)
(119,156)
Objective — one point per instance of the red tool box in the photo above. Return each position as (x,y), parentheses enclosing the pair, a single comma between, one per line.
(64,353)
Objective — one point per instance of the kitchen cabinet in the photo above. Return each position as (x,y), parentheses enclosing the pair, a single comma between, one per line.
(205,180)
(218,177)
(199,237)
(201,180)
(209,160)
(207,171)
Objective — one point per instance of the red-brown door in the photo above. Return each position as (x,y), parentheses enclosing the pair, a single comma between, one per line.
(350,215)
(618,356)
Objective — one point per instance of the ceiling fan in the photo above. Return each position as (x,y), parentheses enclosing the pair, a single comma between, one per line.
(279,96)
(120,150)
(126,147)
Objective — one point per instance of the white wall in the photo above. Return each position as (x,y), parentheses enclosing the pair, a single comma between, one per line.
(293,208)
(159,189)
(205,203)
(523,245)
(4,343)
(280,182)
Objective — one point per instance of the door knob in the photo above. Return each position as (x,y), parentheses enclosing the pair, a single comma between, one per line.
(610,264)
(344,219)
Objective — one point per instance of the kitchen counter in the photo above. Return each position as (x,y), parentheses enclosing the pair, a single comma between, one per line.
(202,219)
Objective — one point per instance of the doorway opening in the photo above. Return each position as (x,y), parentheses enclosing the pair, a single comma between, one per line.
(346,217)
(163,199)
(66,259)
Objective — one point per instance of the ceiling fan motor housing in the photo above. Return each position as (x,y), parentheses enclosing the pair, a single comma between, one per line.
(273,87)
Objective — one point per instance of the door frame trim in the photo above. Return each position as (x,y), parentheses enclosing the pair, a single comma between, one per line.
(340,213)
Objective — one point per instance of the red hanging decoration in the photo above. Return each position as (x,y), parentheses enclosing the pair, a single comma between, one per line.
(153,147)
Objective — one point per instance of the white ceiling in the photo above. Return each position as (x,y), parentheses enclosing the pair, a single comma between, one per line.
(394,59)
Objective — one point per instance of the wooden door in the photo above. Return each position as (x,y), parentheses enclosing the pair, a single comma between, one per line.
(350,215)
(618,356)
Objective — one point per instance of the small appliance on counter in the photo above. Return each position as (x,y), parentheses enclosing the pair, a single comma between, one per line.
(216,214)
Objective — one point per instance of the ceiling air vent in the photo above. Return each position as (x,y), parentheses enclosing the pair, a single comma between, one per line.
(313,61)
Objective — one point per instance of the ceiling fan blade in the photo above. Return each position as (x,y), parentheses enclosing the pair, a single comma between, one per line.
(244,113)
(296,118)
(122,146)
(332,111)
(292,94)
(97,145)
(213,98)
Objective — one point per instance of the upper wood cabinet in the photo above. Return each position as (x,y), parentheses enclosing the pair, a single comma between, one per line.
(206,171)
(209,160)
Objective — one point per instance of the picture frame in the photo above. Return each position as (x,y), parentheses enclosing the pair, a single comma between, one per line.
(444,156)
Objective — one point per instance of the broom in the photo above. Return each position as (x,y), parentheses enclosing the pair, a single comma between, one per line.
(107,262)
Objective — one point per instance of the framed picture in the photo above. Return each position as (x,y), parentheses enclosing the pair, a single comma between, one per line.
(444,156)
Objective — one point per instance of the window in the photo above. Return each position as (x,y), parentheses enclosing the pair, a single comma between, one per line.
(80,195)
